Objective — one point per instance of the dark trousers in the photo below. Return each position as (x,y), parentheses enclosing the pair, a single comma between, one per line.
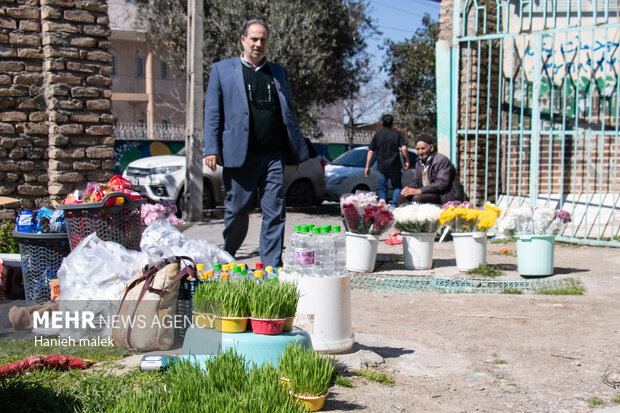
(420,199)
(264,172)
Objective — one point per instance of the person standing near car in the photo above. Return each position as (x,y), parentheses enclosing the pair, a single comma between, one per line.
(251,130)
(387,143)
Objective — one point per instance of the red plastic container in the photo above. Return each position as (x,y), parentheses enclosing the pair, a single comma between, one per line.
(267,326)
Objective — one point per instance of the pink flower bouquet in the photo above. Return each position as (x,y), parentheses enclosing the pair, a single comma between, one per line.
(364,214)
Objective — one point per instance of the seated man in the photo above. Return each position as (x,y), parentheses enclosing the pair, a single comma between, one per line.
(434,179)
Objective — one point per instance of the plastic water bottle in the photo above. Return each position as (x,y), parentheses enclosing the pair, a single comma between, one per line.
(289,252)
(304,254)
(258,277)
(200,272)
(324,265)
(217,271)
(340,260)
(236,273)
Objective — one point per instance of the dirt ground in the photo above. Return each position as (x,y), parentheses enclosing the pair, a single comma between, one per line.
(492,352)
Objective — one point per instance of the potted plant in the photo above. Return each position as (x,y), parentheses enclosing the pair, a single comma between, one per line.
(365,218)
(266,309)
(535,230)
(418,224)
(468,226)
(234,310)
(307,375)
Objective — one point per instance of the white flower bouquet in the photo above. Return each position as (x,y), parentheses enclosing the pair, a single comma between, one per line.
(533,221)
(417,218)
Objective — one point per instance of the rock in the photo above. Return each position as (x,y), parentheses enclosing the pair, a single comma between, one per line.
(361,359)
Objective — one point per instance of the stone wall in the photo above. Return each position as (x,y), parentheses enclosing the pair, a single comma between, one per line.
(55,107)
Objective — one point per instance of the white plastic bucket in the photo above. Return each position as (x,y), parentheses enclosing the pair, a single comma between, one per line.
(361,252)
(418,250)
(470,249)
(328,300)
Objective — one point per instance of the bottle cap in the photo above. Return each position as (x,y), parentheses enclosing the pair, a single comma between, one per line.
(335,228)
(258,274)
(305,229)
(316,230)
(269,268)
(224,276)
(244,272)
(297,228)
(242,265)
(259,265)
(310,226)
(325,230)
(200,267)
(217,266)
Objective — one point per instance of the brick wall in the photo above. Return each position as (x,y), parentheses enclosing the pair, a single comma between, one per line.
(55,89)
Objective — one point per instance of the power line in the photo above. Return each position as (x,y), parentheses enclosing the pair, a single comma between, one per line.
(397,9)
(396,28)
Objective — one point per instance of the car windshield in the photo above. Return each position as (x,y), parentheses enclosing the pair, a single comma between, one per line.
(352,158)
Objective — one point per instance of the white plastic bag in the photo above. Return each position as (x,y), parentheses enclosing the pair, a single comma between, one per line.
(98,270)
(161,239)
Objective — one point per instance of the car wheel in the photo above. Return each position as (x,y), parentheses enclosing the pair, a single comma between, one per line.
(360,188)
(300,194)
(208,201)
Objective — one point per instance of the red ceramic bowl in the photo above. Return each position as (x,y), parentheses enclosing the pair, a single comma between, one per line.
(267,326)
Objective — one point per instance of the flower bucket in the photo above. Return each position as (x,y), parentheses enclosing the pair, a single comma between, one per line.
(311,404)
(470,249)
(361,252)
(231,324)
(535,255)
(418,250)
(288,324)
(267,326)
(204,320)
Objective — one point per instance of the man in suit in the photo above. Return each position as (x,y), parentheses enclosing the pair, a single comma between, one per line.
(251,130)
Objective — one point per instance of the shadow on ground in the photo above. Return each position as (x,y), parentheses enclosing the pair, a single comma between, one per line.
(385,352)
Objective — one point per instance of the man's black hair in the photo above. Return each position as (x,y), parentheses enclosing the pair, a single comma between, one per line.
(244,31)
(387,121)
(426,138)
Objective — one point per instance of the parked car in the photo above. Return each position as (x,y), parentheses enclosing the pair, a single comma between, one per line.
(346,174)
(163,178)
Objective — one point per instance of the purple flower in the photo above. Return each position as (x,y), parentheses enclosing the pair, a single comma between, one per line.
(563,215)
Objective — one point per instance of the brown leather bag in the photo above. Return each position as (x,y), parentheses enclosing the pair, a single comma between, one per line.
(147,310)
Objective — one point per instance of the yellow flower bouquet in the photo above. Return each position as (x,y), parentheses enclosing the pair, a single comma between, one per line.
(464,217)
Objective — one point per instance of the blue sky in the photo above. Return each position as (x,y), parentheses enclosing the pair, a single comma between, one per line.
(398,20)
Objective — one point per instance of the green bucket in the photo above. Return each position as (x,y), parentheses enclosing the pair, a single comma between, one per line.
(535,255)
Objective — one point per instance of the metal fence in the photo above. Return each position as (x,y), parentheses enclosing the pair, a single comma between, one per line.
(535,110)
(139,131)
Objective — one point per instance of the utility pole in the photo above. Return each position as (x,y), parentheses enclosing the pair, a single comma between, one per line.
(194,114)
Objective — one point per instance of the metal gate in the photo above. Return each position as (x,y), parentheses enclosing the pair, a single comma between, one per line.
(535,110)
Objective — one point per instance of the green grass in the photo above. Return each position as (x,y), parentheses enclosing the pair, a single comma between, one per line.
(616,399)
(374,376)
(575,288)
(512,291)
(500,361)
(487,271)
(501,241)
(595,401)
(343,381)
(14,350)
(225,385)
(309,373)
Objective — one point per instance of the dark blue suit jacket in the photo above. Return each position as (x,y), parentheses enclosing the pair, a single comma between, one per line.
(227,115)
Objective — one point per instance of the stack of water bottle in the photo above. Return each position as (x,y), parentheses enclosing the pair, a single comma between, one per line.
(315,252)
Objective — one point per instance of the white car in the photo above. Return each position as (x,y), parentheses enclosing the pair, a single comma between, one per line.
(162,177)
(346,174)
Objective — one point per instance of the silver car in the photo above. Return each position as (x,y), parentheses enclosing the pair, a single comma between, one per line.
(163,178)
(346,174)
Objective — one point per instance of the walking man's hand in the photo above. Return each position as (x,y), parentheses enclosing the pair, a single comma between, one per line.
(212,161)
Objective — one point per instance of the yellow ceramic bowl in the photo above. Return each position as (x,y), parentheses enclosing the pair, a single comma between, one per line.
(231,324)
(311,404)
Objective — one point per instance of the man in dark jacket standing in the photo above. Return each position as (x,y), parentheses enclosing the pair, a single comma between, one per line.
(434,177)
(387,143)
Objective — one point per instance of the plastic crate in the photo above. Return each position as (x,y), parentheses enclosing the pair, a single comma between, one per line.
(184,303)
(118,223)
(41,256)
